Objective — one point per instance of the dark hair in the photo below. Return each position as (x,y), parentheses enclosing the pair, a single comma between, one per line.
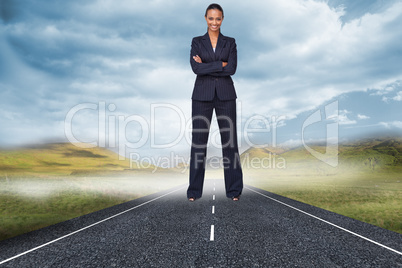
(214,6)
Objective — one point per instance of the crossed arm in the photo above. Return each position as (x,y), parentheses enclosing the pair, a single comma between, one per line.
(215,68)
(198,59)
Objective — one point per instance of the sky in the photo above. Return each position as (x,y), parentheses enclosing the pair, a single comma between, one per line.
(116,74)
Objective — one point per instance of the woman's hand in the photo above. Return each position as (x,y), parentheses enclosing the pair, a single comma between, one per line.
(197,59)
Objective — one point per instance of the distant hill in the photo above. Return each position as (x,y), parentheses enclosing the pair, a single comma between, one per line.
(262,152)
(373,152)
(367,153)
(68,159)
(61,159)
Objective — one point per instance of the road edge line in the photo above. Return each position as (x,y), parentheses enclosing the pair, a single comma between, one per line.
(330,223)
(84,228)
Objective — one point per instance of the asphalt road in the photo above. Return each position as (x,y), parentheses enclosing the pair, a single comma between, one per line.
(166,230)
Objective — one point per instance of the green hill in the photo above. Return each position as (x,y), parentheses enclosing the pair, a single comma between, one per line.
(263,152)
(370,154)
(61,159)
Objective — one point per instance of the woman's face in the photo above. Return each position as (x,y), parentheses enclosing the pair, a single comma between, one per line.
(214,20)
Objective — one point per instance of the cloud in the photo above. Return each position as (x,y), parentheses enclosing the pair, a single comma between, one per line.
(386,88)
(343,118)
(305,55)
(362,117)
(293,56)
(393,124)
(357,8)
(398,96)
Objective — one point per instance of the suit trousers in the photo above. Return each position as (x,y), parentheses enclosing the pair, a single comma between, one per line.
(201,120)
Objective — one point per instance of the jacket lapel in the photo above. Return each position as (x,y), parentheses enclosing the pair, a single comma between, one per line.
(207,44)
(219,46)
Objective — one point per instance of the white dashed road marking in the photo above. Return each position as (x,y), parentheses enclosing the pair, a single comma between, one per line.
(211,238)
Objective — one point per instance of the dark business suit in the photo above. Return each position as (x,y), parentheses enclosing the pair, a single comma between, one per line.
(214,89)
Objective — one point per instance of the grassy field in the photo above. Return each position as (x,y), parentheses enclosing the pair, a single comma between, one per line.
(51,183)
(47,184)
(27,204)
(373,198)
(24,214)
(366,185)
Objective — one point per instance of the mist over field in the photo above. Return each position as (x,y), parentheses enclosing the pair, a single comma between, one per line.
(95,104)
(46,184)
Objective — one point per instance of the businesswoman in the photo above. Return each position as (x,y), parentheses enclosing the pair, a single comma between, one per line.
(213,59)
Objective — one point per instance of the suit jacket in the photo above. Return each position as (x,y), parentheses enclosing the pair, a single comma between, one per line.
(211,75)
